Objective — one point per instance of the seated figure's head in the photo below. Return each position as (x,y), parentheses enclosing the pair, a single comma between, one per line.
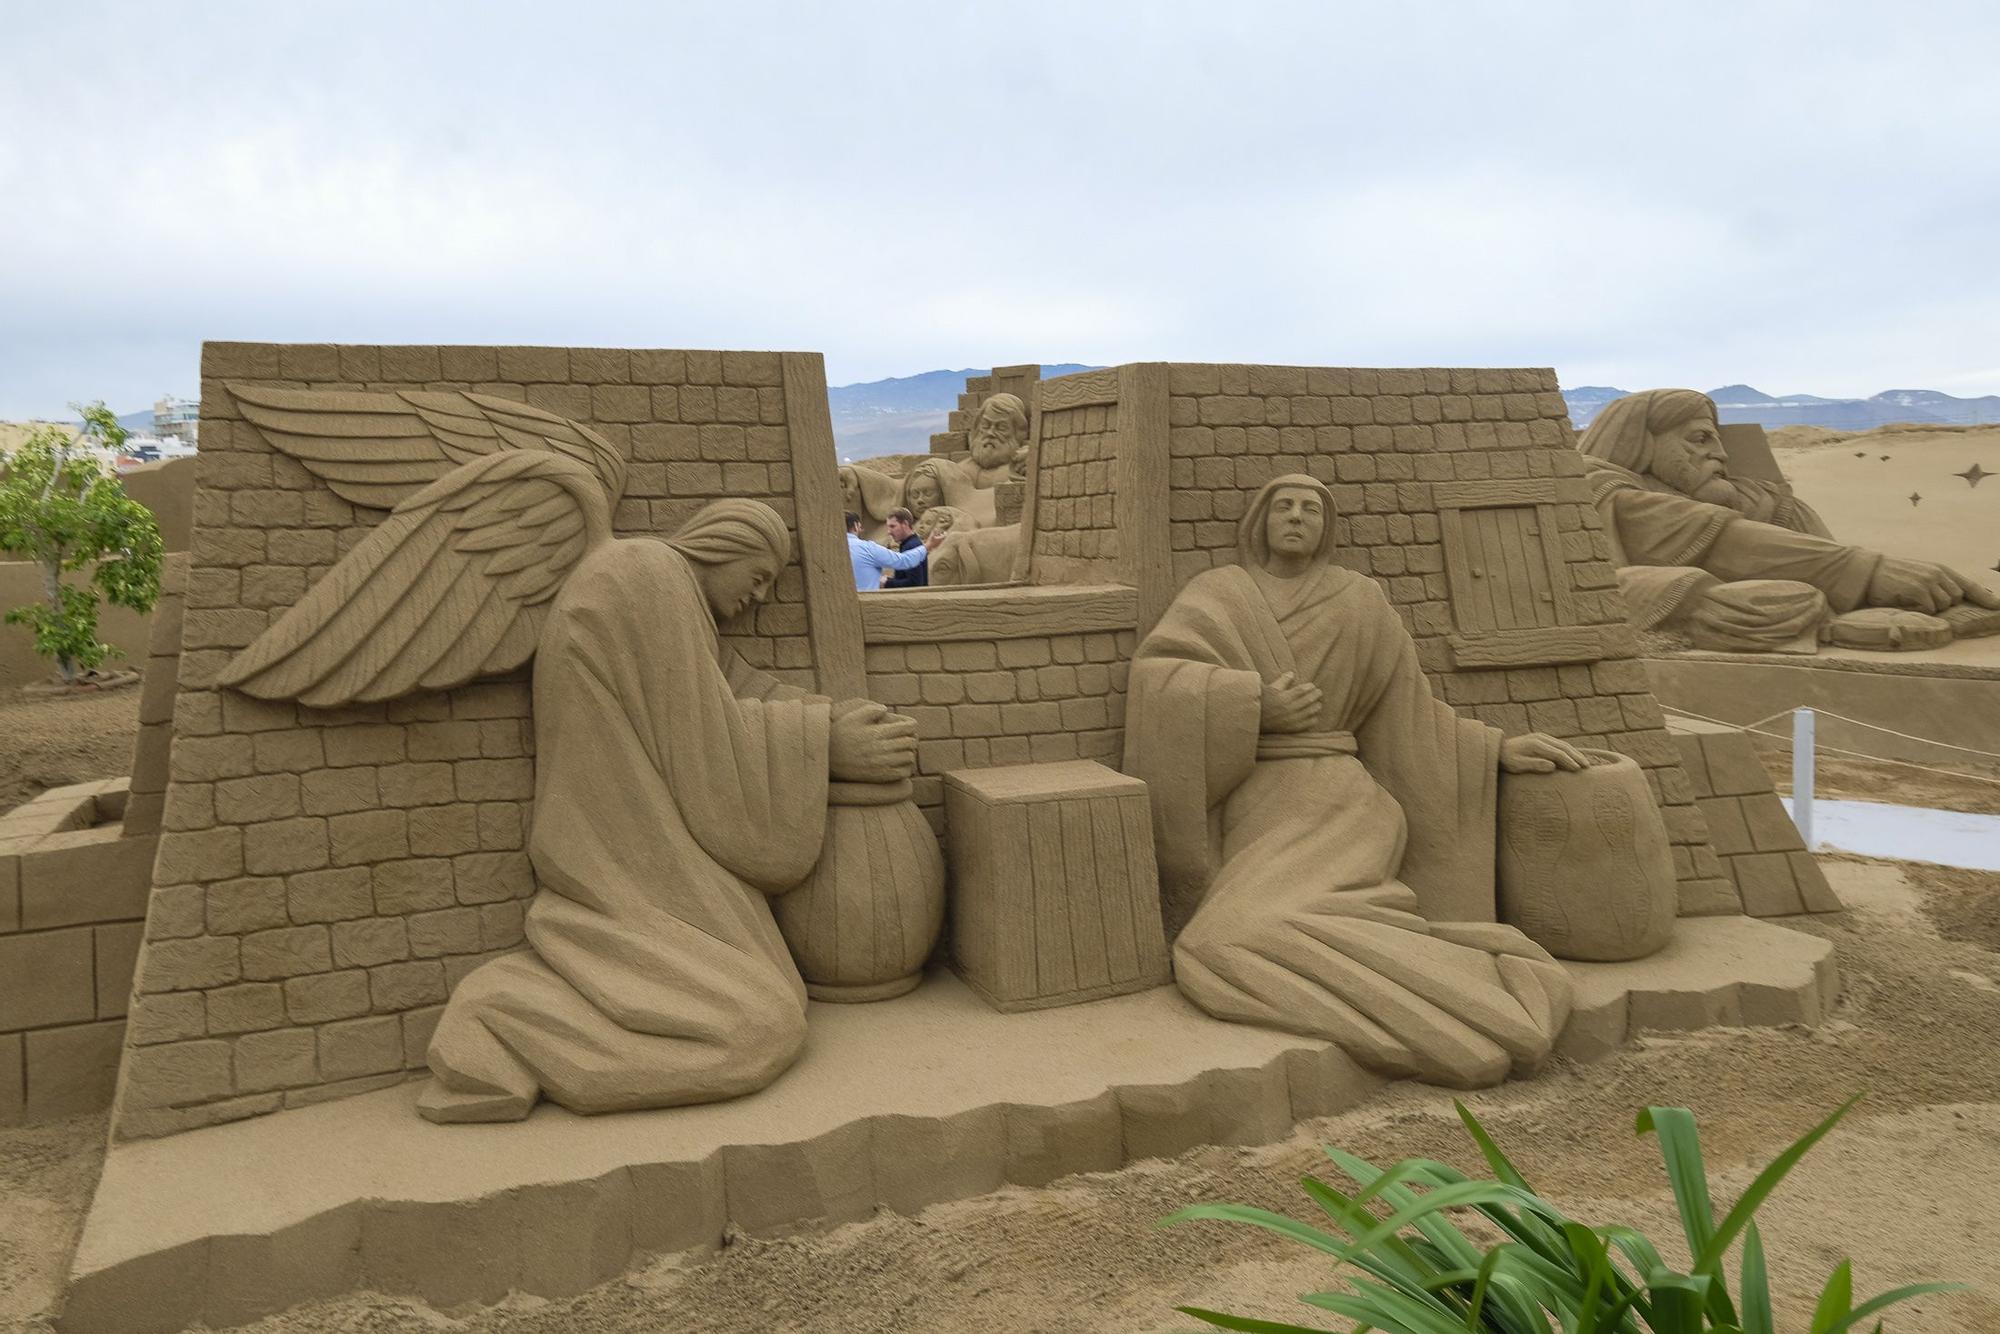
(736,548)
(1670,435)
(850,489)
(924,488)
(1288,525)
(941,519)
(999,434)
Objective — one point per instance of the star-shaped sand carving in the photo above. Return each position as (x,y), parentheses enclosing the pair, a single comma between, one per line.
(1860,453)
(1915,497)
(1973,475)
(1885,458)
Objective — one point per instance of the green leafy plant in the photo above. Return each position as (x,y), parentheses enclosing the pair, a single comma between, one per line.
(1418,1274)
(62,510)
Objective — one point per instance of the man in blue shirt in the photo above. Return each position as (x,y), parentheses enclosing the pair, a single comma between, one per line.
(903,532)
(871,558)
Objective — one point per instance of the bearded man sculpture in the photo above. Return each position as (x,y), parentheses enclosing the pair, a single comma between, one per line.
(1734,564)
(998,441)
(1325,825)
(677,790)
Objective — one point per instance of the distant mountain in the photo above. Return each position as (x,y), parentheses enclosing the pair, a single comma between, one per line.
(1741,403)
(899,415)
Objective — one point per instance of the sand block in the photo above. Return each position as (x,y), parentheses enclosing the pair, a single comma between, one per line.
(1055,896)
(910,1102)
(1715,972)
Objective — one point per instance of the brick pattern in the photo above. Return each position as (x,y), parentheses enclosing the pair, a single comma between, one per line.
(326,876)
(1750,829)
(148,799)
(1019,381)
(980,703)
(1076,502)
(1380,439)
(72,896)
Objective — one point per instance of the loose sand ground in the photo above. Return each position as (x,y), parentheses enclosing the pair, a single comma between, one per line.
(1904,1186)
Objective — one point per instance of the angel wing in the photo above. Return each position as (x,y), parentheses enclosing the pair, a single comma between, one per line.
(454,584)
(378,449)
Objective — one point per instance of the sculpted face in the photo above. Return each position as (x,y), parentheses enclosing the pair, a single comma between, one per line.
(996,438)
(850,490)
(922,492)
(1295,523)
(938,519)
(1690,459)
(734,586)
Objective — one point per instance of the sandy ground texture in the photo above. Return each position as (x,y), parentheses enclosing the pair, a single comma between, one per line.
(1862,486)
(48,741)
(1902,1186)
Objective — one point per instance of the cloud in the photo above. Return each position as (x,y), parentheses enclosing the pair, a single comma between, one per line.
(1797,196)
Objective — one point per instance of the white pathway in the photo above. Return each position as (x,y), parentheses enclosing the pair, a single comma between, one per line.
(1906,833)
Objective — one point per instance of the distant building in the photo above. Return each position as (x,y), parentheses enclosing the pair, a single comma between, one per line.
(177,419)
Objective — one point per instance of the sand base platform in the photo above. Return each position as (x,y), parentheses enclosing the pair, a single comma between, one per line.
(898,1105)
(1949,694)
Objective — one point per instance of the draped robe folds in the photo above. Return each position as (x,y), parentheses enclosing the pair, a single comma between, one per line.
(1671,549)
(1340,881)
(666,810)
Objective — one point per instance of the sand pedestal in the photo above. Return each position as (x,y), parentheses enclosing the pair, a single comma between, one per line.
(899,1105)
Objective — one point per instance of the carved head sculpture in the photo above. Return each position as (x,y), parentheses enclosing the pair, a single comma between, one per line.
(1288,526)
(736,548)
(868,492)
(942,519)
(924,487)
(999,434)
(1669,435)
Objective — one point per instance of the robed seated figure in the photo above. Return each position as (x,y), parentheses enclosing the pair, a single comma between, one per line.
(1732,563)
(1325,825)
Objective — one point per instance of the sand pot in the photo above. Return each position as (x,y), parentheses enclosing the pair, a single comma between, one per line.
(1585,871)
(866,919)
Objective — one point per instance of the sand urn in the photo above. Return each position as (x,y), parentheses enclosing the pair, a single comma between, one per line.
(863,923)
(1585,870)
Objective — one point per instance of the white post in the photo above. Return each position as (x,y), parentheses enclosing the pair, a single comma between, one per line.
(1802,774)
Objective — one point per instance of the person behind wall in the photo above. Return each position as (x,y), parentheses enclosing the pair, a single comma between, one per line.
(869,559)
(903,532)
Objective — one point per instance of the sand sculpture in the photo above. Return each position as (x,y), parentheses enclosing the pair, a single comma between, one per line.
(999,442)
(942,519)
(1739,564)
(939,481)
(676,787)
(1584,866)
(1325,825)
(979,556)
(871,493)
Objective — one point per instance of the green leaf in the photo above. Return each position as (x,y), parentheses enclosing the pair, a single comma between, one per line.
(1222,1320)
(1243,1213)
(1708,1257)
(1680,1151)
(1678,1302)
(1836,1299)
(1890,1298)
(1503,1166)
(1756,1294)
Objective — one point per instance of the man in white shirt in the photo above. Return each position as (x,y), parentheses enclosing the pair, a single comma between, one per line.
(871,558)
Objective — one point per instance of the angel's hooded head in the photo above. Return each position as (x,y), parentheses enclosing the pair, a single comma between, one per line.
(1290,519)
(736,548)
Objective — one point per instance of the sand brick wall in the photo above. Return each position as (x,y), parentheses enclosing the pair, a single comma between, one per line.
(1015,700)
(325,876)
(1076,500)
(1401,451)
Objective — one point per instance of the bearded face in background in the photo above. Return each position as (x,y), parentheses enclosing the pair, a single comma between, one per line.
(1689,457)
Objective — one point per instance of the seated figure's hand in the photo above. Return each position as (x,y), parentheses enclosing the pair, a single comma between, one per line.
(1289,705)
(868,744)
(1539,753)
(1922,586)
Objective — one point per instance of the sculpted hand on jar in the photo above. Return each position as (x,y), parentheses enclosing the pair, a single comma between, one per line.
(1289,705)
(1539,753)
(869,744)
(1922,586)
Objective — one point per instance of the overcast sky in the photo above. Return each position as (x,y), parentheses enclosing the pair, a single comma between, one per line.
(1801,196)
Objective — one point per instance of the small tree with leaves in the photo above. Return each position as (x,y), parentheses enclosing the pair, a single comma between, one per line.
(61,509)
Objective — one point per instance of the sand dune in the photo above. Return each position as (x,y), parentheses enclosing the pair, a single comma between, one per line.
(1865,497)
